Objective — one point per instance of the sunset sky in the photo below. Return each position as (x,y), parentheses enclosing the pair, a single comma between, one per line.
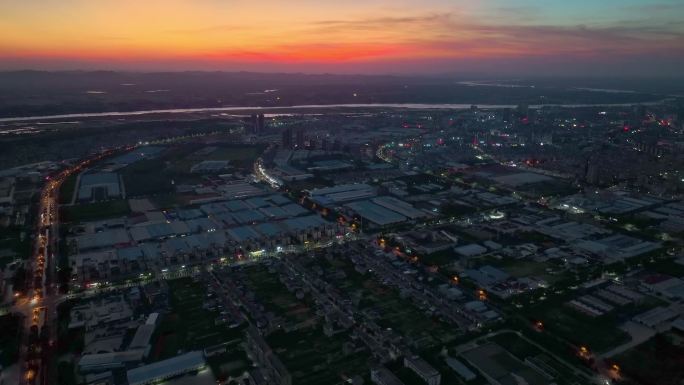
(365,36)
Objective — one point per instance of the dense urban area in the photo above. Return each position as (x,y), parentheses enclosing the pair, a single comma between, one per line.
(519,244)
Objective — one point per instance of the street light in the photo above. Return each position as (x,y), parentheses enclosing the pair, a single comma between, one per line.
(583,351)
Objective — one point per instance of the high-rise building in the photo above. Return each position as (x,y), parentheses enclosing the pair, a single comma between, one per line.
(593,172)
(507,115)
(287,138)
(253,124)
(257,123)
(639,111)
(300,138)
(261,123)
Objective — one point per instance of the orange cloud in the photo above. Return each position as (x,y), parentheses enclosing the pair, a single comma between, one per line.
(288,32)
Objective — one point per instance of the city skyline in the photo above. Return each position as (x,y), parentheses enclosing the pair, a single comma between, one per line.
(407,37)
(437,192)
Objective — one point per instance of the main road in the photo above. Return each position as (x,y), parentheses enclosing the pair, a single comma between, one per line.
(39,304)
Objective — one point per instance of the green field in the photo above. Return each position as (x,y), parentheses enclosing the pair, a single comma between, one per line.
(12,244)
(147,177)
(168,201)
(401,315)
(157,176)
(231,363)
(598,333)
(395,312)
(234,153)
(313,358)
(95,211)
(188,326)
(238,155)
(659,360)
(456,210)
(525,268)
(665,266)
(66,191)
(440,258)
(549,188)
(275,297)
(310,356)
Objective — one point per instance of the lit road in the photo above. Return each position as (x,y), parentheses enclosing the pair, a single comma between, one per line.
(39,304)
(261,174)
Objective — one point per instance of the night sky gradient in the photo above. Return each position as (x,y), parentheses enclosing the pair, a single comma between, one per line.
(507,37)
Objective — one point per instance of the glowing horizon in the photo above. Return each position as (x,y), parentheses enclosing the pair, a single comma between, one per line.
(352,36)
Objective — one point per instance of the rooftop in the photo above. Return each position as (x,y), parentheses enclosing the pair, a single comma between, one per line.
(158,370)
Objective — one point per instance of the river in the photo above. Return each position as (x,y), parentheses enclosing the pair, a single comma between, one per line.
(408,106)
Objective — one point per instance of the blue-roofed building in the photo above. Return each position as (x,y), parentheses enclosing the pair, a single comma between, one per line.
(214,208)
(190,214)
(274,212)
(248,216)
(235,205)
(243,233)
(269,229)
(101,240)
(226,219)
(487,275)
(256,202)
(278,200)
(196,241)
(342,193)
(304,223)
(140,234)
(166,369)
(159,230)
(376,214)
(462,370)
(216,238)
(201,225)
(176,245)
(152,251)
(295,210)
(399,206)
(99,186)
(130,253)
